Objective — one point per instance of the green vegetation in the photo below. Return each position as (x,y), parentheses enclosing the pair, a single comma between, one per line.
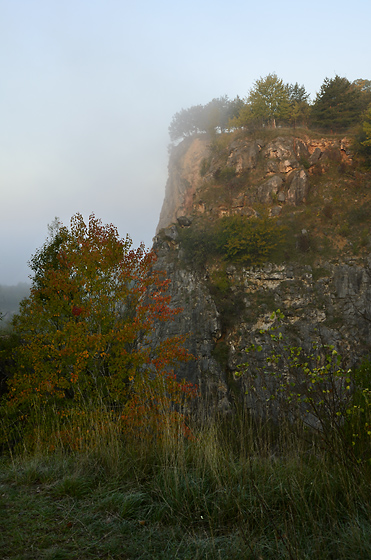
(367,128)
(229,488)
(268,101)
(250,241)
(103,459)
(311,385)
(246,241)
(235,487)
(208,118)
(225,175)
(299,104)
(269,111)
(338,105)
(237,239)
(237,490)
(82,362)
(198,242)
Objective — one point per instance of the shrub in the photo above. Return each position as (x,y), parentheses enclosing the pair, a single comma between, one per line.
(250,241)
(198,242)
(314,387)
(226,174)
(204,167)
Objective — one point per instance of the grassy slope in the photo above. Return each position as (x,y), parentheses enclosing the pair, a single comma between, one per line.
(256,495)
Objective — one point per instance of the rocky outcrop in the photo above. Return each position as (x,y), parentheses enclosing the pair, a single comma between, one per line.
(328,300)
(298,187)
(260,172)
(334,308)
(267,190)
(183,180)
(243,155)
(198,321)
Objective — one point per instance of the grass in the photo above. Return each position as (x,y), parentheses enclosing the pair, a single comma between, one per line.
(236,491)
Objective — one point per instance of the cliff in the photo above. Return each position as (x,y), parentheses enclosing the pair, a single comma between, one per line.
(318,275)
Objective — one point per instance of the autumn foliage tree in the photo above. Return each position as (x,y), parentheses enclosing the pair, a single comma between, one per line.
(86,331)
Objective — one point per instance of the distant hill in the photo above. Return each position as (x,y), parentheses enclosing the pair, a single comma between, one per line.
(10,298)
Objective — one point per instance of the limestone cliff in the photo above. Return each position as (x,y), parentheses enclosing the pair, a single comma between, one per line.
(184,179)
(260,171)
(321,280)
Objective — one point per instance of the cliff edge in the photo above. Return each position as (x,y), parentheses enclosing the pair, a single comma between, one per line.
(307,208)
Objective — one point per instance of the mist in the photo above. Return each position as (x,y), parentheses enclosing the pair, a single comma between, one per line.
(10,297)
(89,90)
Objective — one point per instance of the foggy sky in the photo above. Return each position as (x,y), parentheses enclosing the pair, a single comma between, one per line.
(88,89)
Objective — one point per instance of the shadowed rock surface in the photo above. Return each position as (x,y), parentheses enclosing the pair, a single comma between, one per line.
(325,295)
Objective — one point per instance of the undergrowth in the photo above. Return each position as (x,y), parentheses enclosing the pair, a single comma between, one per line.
(237,489)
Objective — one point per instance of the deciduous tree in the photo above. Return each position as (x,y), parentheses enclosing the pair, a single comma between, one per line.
(87,327)
(186,122)
(367,128)
(211,118)
(269,100)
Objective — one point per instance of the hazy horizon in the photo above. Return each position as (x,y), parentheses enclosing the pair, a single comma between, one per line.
(89,90)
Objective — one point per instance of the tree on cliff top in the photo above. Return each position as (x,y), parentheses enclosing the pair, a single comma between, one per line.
(299,103)
(269,100)
(211,118)
(87,326)
(185,123)
(297,93)
(338,105)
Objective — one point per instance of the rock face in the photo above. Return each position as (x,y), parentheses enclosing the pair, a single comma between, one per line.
(184,179)
(334,309)
(260,171)
(329,301)
(198,321)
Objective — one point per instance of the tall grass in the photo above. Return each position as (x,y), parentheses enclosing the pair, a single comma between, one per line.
(236,489)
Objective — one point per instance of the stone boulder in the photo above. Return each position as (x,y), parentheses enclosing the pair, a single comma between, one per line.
(280,148)
(314,157)
(298,187)
(287,165)
(269,188)
(281,156)
(243,156)
(301,149)
(184,221)
(170,233)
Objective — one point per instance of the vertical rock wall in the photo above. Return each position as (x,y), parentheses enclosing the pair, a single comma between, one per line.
(330,303)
